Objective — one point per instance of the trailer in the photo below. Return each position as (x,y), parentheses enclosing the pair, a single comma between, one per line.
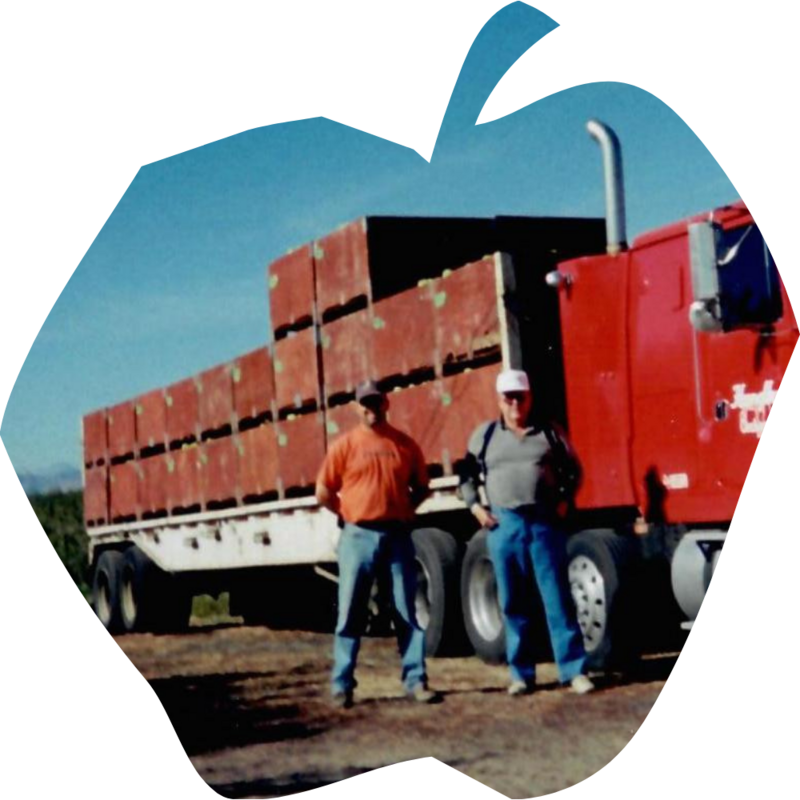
(661,359)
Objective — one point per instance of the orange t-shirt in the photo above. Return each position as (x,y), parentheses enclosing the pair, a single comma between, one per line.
(373,472)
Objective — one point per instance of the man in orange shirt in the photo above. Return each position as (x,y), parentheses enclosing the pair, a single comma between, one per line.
(374,477)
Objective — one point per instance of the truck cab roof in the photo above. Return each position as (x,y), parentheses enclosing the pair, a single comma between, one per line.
(728,216)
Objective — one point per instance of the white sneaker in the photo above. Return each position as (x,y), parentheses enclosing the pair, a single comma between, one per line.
(519,688)
(422,694)
(581,685)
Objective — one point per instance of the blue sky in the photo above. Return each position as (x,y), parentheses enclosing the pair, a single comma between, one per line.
(175,281)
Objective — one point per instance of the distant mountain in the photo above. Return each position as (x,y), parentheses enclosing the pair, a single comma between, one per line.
(59,478)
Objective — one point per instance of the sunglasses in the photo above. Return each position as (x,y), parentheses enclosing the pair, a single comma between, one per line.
(373,402)
(514,397)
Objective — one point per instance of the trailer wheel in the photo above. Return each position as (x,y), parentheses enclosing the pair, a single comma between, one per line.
(380,621)
(483,619)
(600,577)
(105,590)
(151,599)
(437,600)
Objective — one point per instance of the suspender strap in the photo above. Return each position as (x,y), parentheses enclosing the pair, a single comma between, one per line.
(487,437)
(553,440)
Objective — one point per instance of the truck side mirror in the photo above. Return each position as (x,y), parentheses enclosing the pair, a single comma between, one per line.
(734,279)
(704,312)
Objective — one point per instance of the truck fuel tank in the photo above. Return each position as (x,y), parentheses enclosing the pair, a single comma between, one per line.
(693,566)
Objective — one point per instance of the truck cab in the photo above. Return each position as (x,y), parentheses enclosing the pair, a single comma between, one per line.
(674,350)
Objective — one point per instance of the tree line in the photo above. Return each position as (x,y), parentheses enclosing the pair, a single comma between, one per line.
(61,516)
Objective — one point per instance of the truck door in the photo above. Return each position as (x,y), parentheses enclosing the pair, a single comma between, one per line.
(701,397)
(740,368)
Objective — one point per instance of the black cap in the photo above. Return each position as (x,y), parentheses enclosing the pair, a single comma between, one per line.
(367,389)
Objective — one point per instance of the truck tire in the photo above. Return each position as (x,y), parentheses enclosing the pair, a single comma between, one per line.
(380,609)
(438,602)
(105,590)
(600,570)
(151,599)
(483,620)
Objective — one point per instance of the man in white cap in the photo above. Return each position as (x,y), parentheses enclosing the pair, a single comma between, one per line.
(522,464)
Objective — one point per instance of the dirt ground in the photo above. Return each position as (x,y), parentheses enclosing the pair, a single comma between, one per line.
(250,706)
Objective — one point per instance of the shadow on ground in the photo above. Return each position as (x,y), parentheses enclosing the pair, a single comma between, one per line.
(291,783)
(401,777)
(648,669)
(216,712)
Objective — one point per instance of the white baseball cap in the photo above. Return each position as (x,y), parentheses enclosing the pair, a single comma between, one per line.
(512,380)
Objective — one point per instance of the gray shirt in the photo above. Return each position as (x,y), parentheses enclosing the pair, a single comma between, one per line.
(519,469)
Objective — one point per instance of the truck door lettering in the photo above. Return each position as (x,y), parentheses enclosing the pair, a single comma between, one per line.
(753,407)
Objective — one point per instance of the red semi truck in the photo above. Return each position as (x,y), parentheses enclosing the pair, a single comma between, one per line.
(661,359)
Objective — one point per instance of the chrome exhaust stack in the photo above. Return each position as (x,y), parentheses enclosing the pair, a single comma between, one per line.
(616,240)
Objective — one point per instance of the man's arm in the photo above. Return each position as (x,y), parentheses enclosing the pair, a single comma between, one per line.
(420,483)
(329,481)
(327,498)
(471,480)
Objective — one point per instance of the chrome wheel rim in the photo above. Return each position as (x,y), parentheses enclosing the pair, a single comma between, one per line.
(589,593)
(127,599)
(483,604)
(422,598)
(103,600)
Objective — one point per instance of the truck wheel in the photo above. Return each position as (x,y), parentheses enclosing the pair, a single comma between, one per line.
(437,601)
(380,621)
(600,579)
(483,619)
(105,590)
(151,599)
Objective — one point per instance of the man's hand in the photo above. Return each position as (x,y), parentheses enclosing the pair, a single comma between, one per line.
(327,498)
(485,517)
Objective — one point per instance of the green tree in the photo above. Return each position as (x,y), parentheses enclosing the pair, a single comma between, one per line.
(61,516)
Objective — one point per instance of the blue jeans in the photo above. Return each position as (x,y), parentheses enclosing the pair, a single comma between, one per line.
(523,548)
(362,552)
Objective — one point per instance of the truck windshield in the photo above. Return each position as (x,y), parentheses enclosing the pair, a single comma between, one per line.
(748,279)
